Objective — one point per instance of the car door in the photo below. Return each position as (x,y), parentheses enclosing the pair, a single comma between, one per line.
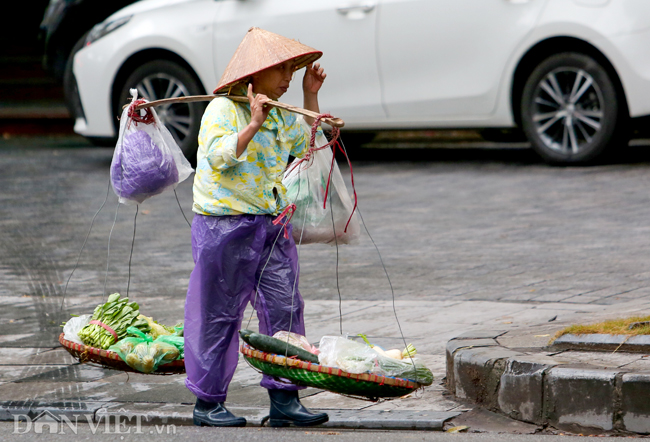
(344,30)
(444,59)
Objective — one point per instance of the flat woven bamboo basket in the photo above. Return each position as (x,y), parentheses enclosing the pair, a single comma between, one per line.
(111,359)
(300,372)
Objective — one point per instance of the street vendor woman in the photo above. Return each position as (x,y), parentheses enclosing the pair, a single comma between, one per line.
(240,254)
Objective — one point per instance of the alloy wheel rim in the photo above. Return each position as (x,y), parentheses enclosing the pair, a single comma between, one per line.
(568,110)
(177,117)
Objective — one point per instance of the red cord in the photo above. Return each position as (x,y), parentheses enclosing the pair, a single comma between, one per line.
(312,141)
(288,214)
(134,114)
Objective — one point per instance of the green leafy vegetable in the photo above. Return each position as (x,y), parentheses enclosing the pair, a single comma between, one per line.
(118,314)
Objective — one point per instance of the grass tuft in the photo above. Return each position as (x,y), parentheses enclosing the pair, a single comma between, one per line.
(619,326)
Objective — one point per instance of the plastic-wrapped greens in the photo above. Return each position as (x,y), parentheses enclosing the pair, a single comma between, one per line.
(146,355)
(356,357)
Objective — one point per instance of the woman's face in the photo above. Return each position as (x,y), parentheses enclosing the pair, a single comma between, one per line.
(274,81)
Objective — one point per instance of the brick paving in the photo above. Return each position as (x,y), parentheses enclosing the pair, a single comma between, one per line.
(472,239)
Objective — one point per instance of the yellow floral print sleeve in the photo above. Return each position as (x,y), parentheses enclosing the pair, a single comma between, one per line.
(252,183)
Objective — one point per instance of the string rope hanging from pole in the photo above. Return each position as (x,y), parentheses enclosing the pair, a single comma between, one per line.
(288,212)
(136,114)
(286,215)
(381,260)
(336,144)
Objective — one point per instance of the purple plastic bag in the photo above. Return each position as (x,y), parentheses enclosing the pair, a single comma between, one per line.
(142,169)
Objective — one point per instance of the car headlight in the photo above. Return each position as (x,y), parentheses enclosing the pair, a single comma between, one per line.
(106,27)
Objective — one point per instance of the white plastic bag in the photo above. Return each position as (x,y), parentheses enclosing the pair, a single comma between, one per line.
(306,184)
(295,339)
(147,161)
(73,326)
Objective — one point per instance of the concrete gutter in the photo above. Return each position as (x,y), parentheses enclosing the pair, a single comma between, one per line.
(538,387)
(113,413)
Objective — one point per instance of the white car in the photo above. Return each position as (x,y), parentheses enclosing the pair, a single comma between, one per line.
(571,73)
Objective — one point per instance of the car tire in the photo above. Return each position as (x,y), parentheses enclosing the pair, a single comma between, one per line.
(571,111)
(159,79)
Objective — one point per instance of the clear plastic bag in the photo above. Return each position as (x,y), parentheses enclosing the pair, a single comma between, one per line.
(356,357)
(306,184)
(147,161)
(144,354)
(73,326)
(348,355)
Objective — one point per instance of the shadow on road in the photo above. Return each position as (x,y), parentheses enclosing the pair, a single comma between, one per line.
(637,153)
(443,155)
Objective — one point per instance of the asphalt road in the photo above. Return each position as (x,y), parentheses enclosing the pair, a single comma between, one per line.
(84,432)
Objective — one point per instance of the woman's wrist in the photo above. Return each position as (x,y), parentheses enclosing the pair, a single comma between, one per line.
(254,126)
(310,102)
(310,97)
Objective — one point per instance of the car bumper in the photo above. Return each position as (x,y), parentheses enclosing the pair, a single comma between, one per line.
(632,63)
(94,74)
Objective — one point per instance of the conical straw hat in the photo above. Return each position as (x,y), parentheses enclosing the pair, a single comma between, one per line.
(262,49)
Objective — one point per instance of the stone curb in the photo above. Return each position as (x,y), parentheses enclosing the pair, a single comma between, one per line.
(603,342)
(537,389)
(108,413)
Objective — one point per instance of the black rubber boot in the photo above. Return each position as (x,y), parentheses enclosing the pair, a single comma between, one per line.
(215,415)
(287,410)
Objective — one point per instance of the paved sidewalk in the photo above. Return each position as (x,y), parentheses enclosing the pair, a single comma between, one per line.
(49,379)
(37,379)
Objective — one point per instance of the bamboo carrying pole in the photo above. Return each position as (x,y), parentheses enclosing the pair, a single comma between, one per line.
(334,122)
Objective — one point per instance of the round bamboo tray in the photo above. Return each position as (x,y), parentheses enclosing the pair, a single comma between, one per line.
(111,359)
(365,385)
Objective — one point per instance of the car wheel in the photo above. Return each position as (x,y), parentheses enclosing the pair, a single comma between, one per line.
(159,79)
(570,110)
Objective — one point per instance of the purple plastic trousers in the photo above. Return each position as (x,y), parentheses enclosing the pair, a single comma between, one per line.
(229,255)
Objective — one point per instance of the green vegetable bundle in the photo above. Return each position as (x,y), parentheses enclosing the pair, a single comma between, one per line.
(409,368)
(118,314)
